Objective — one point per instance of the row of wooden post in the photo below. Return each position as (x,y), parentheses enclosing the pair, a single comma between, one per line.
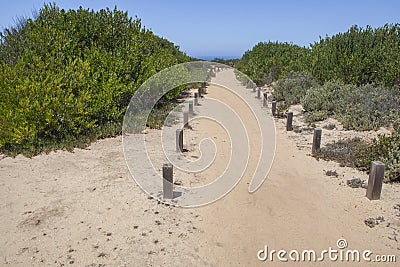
(376,174)
(168,167)
(377,169)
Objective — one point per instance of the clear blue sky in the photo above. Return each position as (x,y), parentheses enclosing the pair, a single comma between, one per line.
(229,28)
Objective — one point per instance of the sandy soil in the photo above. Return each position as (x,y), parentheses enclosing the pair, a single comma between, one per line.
(84,209)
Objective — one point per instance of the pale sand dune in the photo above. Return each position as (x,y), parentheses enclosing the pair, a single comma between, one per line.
(84,209)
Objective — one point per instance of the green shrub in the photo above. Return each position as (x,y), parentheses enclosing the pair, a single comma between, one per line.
(282,109)
(317,115)
(293,87)
(367,107)
(322,98)
(269,61)
(353,152)
(321,101)
(359,56)
(66,77)
(390,147)
(364,107)
(359,154)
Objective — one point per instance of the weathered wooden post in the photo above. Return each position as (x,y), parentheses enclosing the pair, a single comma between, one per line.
(199,91)
(191,107)
(273,108)
(168,180)
(186,119)
(203,88)
(289,121)
(258,92)
(375,180)
(196,99)
(179,140)
(316,145)
(265,99)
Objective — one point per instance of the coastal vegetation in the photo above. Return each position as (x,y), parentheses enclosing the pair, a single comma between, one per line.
(352,76)
(66,77)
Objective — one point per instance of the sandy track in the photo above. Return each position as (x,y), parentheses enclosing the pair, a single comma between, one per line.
(299,207)
(83,209)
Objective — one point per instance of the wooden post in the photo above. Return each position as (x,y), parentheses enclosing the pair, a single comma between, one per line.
(179,140)
(168,180)
(258,92)
(375,180)
(316,145)
(186,119)
(199,91)
(191,107)
(273,108)
(265,99)
(196,99)
(289,121)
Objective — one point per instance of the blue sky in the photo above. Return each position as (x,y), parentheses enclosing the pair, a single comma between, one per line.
(228,28)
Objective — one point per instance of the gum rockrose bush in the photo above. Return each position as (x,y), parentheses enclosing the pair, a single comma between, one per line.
(66,77)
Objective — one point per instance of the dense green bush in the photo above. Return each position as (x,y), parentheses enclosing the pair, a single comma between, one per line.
(358,56)
(66,77)
(269,61)
(293,87)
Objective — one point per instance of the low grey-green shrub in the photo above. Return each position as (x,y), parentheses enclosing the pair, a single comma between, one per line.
(359,154)
(390,147)
(359,108)
(293,87)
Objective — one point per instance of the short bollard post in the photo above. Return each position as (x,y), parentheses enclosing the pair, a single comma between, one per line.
(258,93)
(316,145)
(375,180)
(273,108)
(168,180)
(191,107)
(196,99)
(289,121)
(254,89)
(186,119)
(265,99)
(179,140)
